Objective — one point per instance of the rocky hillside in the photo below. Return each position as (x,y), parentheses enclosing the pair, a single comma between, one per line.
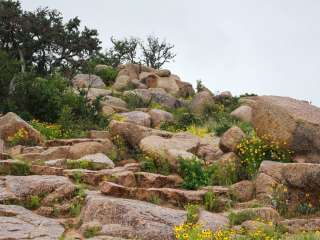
(171,163)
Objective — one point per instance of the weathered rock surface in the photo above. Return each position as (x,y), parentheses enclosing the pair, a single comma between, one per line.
(137,117)
(290,122)
(134,219)
(74,151)
(12,123)
(22,187)
(300,176)
(115,103)
(243,191)
(243,113)
(19,223)
(133,133)
(159,116)
(231,138)
(200,101)
(159,146)
(99,160)
(296,225)
(209,149)
(88,80)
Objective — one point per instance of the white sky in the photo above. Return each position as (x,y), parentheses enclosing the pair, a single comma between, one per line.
(268,47)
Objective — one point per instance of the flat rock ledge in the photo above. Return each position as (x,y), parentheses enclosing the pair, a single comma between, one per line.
(17,222)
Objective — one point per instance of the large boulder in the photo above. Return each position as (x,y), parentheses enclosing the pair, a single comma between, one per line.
(209,149)
(115,103)
(139,220)
(133,133)
(244,113)
(152,80)
(200,101)
(159,116)
(160,146)
(185,89)
(137,117)
(303,177)
(23,187)
(98,160)
(231,138)
(93,93)
(156,95)
(18,223)
(290,122)
(87,81)
(159,95)
(11,123)
(122,82)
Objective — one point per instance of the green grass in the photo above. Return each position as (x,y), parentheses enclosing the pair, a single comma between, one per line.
(240,217)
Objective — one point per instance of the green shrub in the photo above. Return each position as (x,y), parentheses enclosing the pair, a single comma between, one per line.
(135,101)
(51,100)
(253,150)
(33,202)
(211,202)
(192,213)
(75,209)
(236,218)
(155,200)
(91,232)
(183,120)
(222,175)
(108,75)
(193,173)
(154,164)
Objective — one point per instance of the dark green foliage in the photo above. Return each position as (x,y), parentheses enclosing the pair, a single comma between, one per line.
(8,68)
(193,174)
(33,202)
(108,75)
(154,164)
(41,40)
(51,100)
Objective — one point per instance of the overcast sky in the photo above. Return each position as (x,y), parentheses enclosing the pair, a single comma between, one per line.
(268,47)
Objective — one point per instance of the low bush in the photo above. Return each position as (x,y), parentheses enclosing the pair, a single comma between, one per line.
(108,75)
(135,101)
(183,120)
(193,173)
(212,203)
(154,164)
(222,175)
(240,217)
(192,213)
(33,202)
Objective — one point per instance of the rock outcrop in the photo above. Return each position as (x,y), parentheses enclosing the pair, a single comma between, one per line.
(290,122)
(18,223)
